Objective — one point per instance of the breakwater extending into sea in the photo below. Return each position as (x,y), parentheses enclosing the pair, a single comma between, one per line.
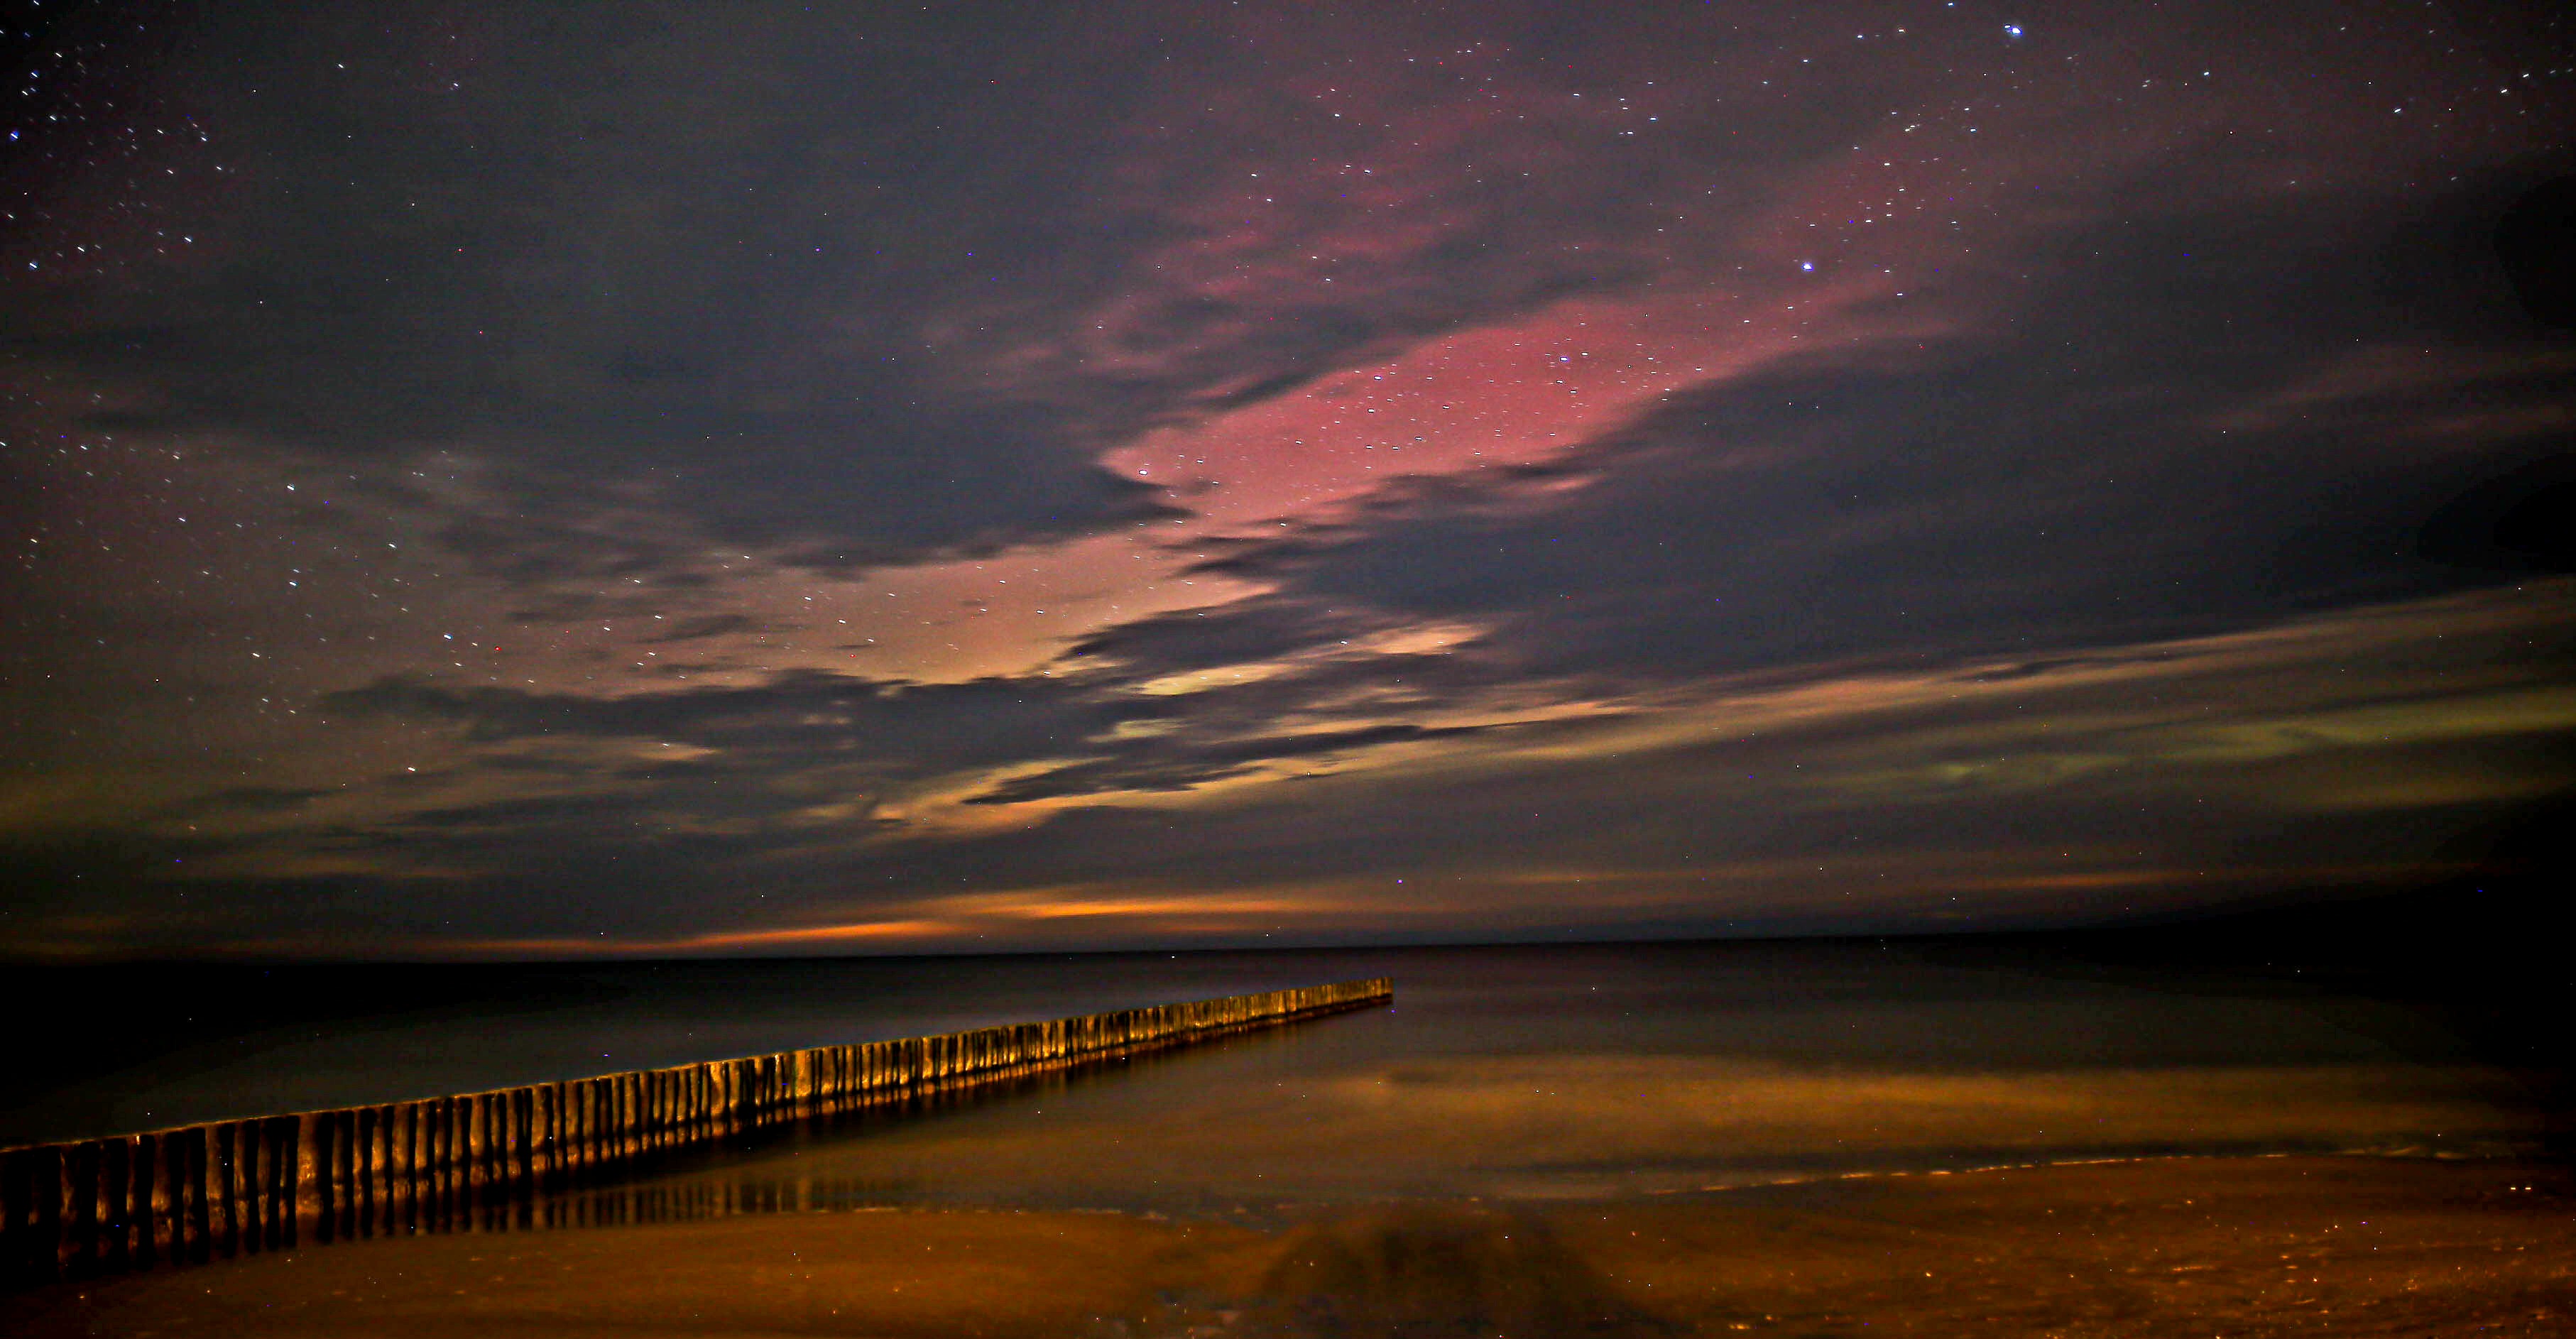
(214,1190)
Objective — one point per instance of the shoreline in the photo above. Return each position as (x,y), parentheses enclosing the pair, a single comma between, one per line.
(2152,1246)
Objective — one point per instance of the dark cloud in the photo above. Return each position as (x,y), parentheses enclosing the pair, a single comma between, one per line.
(1169,764)
(259,799)
(710,625)
(752,264)
(880,730)
(2521,520)
(2104,471)
(1235,634)
(910,725)
(2536,240)
(648,471)
(557,236)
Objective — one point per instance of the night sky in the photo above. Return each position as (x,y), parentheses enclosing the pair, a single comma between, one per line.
(528,480)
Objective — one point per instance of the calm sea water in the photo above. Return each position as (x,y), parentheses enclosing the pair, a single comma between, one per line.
(1500,1073)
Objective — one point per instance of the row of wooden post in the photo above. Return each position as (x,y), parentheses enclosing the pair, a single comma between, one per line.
(203,1192)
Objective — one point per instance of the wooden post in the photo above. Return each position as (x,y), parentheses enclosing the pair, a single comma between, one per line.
(444,1163)
(377,1173)
(407,1153)
(149,1219)
(375,1160)
(542,1155)
(495,1165)
(459,1169)
(282,1157)
(45,1187)
(324,1194)
(463,1139)
(82,1173)
(459,1177)
(523,1138)
(250,1189)
(359,1126)
(420,1127)
(491,1166)
(277,1208)
(174,1190)
(488,1140)
(542,1123)
(17,1217)
(200,1222)
(441,1185)
(456,1159)
(114,1168)
(358,1129)
(223,1169)
(465,1155)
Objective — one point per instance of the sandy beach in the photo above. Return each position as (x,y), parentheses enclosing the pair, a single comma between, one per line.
(2180,1247)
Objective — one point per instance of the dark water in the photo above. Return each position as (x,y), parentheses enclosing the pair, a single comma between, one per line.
(1501,1073)
(128,1048)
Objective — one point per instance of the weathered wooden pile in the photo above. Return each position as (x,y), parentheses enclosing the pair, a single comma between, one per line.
(202,1192)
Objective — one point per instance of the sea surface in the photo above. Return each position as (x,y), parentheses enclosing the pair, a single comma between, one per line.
(1500,1073)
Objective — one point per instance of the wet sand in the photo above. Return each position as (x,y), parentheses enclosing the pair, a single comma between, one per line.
(2182,1247)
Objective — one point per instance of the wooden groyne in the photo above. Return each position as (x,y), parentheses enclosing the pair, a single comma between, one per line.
(204,1192)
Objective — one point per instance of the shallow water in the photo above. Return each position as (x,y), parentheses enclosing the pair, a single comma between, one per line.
(1517,1072)
(1521,1141)
(1530,1074)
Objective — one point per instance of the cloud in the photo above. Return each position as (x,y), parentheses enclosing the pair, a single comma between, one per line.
(912,726)
(831,290)
(1159,763)
(655,247)
(745,480)
(1996,792)
(705,625)
(2069,481)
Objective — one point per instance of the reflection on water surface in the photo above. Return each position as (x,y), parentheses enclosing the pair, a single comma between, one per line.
(1520,1146)
(1520,1074)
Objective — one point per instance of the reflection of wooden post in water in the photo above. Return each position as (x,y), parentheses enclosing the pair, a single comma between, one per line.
(480,1161)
